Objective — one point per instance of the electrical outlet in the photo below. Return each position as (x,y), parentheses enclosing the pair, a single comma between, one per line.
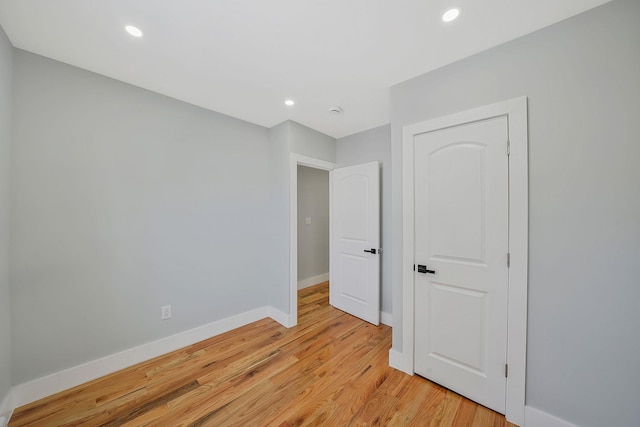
(166,312)
(308,221)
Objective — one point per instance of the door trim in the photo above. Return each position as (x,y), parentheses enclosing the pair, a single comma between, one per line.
(516,112)
(295,161)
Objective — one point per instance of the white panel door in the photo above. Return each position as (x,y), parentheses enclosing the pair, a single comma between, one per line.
(461,240)
(355,241)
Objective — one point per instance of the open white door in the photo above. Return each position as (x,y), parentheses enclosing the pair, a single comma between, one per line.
(355,241)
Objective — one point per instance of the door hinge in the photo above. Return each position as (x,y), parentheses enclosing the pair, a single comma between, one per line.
(508,148)
(506,370)
(508,259)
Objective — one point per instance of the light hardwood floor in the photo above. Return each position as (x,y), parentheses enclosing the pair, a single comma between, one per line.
(330,370)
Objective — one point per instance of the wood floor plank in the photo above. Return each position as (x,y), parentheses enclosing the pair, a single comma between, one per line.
(329,370)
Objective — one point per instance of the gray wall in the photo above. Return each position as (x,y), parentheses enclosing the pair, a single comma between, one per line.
(6,64)
(313,239)
(279,152)
(284,139)
(123,201)
(311,143)
(363,147)
(582,77)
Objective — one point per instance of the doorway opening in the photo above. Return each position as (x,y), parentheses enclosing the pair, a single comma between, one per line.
(313,227)
(308,162)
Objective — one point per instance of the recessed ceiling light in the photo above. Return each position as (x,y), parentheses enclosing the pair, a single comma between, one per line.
(450,15)
(134,31)
(289,102)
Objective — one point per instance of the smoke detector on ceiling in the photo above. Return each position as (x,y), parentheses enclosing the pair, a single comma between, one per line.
(335,110)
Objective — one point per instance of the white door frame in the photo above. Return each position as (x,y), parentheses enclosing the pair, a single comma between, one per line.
(295,161)
(516,112)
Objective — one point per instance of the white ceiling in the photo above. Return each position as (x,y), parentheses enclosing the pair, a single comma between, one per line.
(245,57)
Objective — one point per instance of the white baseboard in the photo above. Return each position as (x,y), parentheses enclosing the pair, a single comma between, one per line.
(313,281)
(6,409)
(284,319)
(536,418)
(386,318)
(42,387)
(399,362)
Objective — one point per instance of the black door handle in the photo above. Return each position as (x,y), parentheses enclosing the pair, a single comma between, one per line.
(423,269)
(372,251)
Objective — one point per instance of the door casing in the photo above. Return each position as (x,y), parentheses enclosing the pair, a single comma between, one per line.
(516,112)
